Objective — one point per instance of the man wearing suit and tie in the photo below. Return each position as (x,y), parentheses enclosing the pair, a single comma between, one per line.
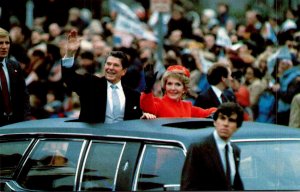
(219,77)
(14,97)
(97,94)
(213,163)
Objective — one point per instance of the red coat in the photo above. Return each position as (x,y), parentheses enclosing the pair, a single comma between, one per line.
(166,107)
(243,96)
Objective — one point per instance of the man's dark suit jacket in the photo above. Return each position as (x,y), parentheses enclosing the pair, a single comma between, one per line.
(18,93)
(208,98)
(92,91)
(203,169)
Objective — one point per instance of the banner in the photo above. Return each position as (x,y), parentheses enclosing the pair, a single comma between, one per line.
(122,8)
(133,27)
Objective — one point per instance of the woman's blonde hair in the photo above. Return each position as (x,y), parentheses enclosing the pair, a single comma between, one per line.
(183,78)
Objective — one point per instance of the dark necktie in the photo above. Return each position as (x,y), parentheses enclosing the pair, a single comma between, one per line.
(223,98)
(228,177)
(5,92)
(116,101)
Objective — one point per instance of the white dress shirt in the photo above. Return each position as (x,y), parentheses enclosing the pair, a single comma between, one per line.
(120,93)
(68,63)
(218,92)
(221,147)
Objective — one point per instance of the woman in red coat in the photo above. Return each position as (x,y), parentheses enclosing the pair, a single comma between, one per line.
(175,82)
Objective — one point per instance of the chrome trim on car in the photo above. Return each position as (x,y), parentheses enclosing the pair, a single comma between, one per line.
(151,139)
(103,136)
(172,186)
(46,133)
(85,142)
(118,166)
(34,143)
(265,139)
(83,164)
(86,156)
(30,145)
(11,187)
(107,136)
(37,141)
(137,172)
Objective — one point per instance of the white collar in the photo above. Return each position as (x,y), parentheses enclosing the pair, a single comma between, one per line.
(119,85)
(220,142)
(217,91)
(3,62)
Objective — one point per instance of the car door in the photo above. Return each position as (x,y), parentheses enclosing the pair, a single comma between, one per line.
(159,167)
(270,164)
(50,165)
(74,164)
(109,165)
(11,153)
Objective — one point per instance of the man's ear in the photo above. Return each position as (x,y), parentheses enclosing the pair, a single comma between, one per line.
(124,72)
(215,123)
(223,79)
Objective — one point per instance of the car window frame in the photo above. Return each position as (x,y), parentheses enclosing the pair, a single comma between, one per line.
(87,152)
(24,154)
(273,140)
(138,142)
(51,138)
(157,144)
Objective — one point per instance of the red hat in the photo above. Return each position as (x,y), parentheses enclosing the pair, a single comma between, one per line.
(179,69)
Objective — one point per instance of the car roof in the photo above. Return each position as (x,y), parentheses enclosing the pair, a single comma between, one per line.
(183,130)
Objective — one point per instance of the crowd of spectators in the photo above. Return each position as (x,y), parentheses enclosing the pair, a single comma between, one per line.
(263,53)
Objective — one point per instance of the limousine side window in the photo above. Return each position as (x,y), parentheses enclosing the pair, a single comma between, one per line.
(10,155)
(51,166)
(100,169)
(275,166)
(157,163)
